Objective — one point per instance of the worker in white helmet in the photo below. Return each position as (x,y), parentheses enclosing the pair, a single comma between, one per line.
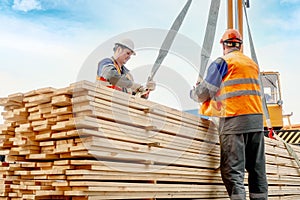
(114,74)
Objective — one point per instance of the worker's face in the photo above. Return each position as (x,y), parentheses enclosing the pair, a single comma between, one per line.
(122,55)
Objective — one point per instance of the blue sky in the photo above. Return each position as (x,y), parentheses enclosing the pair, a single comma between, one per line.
(44,43)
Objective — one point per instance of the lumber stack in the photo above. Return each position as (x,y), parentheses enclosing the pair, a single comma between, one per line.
(87,141)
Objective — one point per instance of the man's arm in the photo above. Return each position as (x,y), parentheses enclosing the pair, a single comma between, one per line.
(111,74)
(208,88)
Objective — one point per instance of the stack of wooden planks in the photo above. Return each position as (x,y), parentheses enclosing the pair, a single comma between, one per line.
(87,141)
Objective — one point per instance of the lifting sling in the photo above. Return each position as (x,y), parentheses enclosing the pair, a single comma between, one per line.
(165,47)
(209,36)
(169,40)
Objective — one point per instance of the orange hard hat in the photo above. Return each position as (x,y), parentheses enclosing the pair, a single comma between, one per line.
(231,35)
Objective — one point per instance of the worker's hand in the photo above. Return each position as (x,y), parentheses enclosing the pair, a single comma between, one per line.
(193,94)
(136,87)
(151,85)
(145,94)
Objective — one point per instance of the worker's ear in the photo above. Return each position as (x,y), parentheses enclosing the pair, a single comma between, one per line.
(118,50)
(224,49)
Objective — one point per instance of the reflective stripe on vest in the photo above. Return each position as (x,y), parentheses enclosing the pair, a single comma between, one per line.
(248,86)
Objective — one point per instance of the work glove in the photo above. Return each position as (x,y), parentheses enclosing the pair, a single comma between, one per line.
(136,87)
(151,85)
(193,94)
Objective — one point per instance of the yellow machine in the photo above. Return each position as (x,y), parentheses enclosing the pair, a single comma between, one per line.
(272,90)
(271,84)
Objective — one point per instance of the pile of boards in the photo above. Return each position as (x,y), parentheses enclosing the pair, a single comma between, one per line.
(87,141)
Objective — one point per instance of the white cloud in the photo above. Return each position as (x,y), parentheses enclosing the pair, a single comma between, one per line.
(289,22)
(26,5)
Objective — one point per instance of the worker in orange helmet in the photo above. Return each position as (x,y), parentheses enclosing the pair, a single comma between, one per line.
(230,91)
(113,73)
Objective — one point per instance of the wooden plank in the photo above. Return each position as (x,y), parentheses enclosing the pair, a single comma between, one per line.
(45,90)
(33,109)
(56,177)
(60,183)
(60,135)
(42,193)
(47,143)
(12,101)
(62,110)
(61,100)
(47,149)
(15,116)
(142,195)
(47,172)
(64,117)
(35,116)
(64,125)
(43,136)
(62,162)
(38,99)
(64,91)
(24,128)
(42,156)
(49,121)
(16,97)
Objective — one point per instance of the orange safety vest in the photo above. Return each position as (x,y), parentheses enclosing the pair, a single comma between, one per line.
(239,93)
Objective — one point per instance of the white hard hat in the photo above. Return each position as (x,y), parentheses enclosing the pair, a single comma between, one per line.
(128,43)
